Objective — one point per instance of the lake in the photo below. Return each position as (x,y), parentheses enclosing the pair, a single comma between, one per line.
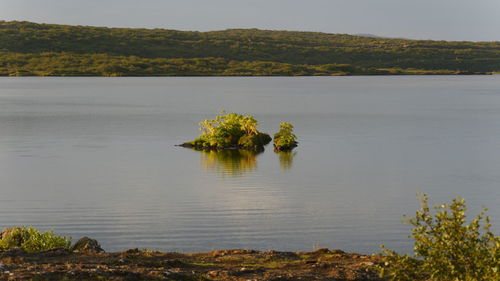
(97,157)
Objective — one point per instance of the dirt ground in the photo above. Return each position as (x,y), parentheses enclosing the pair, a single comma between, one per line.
(244,265)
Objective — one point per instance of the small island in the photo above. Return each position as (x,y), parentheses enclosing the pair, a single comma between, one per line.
(236,131)
(285,139)
(230,131)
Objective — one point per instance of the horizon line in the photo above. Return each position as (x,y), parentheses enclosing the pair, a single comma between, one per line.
(366,35)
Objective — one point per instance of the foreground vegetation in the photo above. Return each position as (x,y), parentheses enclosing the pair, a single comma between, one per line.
(31,240)
(60,50)
(447,248)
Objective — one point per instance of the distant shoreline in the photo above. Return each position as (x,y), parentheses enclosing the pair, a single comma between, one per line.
(31,49)
(289,76)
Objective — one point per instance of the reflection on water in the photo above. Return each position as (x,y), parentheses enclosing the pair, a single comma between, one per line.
(286,159)
(233,162)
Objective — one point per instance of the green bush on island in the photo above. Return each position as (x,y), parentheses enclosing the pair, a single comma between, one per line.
(230,130)
(31,239)
(284,139)
(446,247)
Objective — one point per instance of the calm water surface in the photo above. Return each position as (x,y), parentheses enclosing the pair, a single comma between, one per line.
(96,157)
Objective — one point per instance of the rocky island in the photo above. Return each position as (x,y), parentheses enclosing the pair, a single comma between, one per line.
(236,131)
(229,131)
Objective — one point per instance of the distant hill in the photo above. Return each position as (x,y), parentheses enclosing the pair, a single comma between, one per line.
(368,35)
(47,49)
(379,37)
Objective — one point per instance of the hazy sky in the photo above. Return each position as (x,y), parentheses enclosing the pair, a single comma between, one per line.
(477,20)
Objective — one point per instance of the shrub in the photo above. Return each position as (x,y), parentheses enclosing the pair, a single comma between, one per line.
(446,247)
(284,139)
(230,131)
(31,239)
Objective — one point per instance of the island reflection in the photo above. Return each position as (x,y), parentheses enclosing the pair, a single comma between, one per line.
(286,159)
(231,162)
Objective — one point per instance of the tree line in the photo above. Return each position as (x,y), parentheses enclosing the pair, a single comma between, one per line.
(84,50)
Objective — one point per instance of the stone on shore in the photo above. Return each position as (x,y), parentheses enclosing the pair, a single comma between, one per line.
(86,244)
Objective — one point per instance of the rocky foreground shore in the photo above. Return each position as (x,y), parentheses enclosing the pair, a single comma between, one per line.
(135,264)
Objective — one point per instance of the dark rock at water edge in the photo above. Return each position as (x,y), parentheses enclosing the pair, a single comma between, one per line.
(254,142)
(246,142)
(285,148)
(87,244)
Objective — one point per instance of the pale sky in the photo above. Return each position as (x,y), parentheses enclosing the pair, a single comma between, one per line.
(474,20)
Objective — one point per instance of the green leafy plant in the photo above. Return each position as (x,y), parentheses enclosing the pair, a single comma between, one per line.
(447,248)
(284,139)
(230,130)
(31,239)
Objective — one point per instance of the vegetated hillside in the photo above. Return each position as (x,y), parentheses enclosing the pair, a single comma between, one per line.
(23,43)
